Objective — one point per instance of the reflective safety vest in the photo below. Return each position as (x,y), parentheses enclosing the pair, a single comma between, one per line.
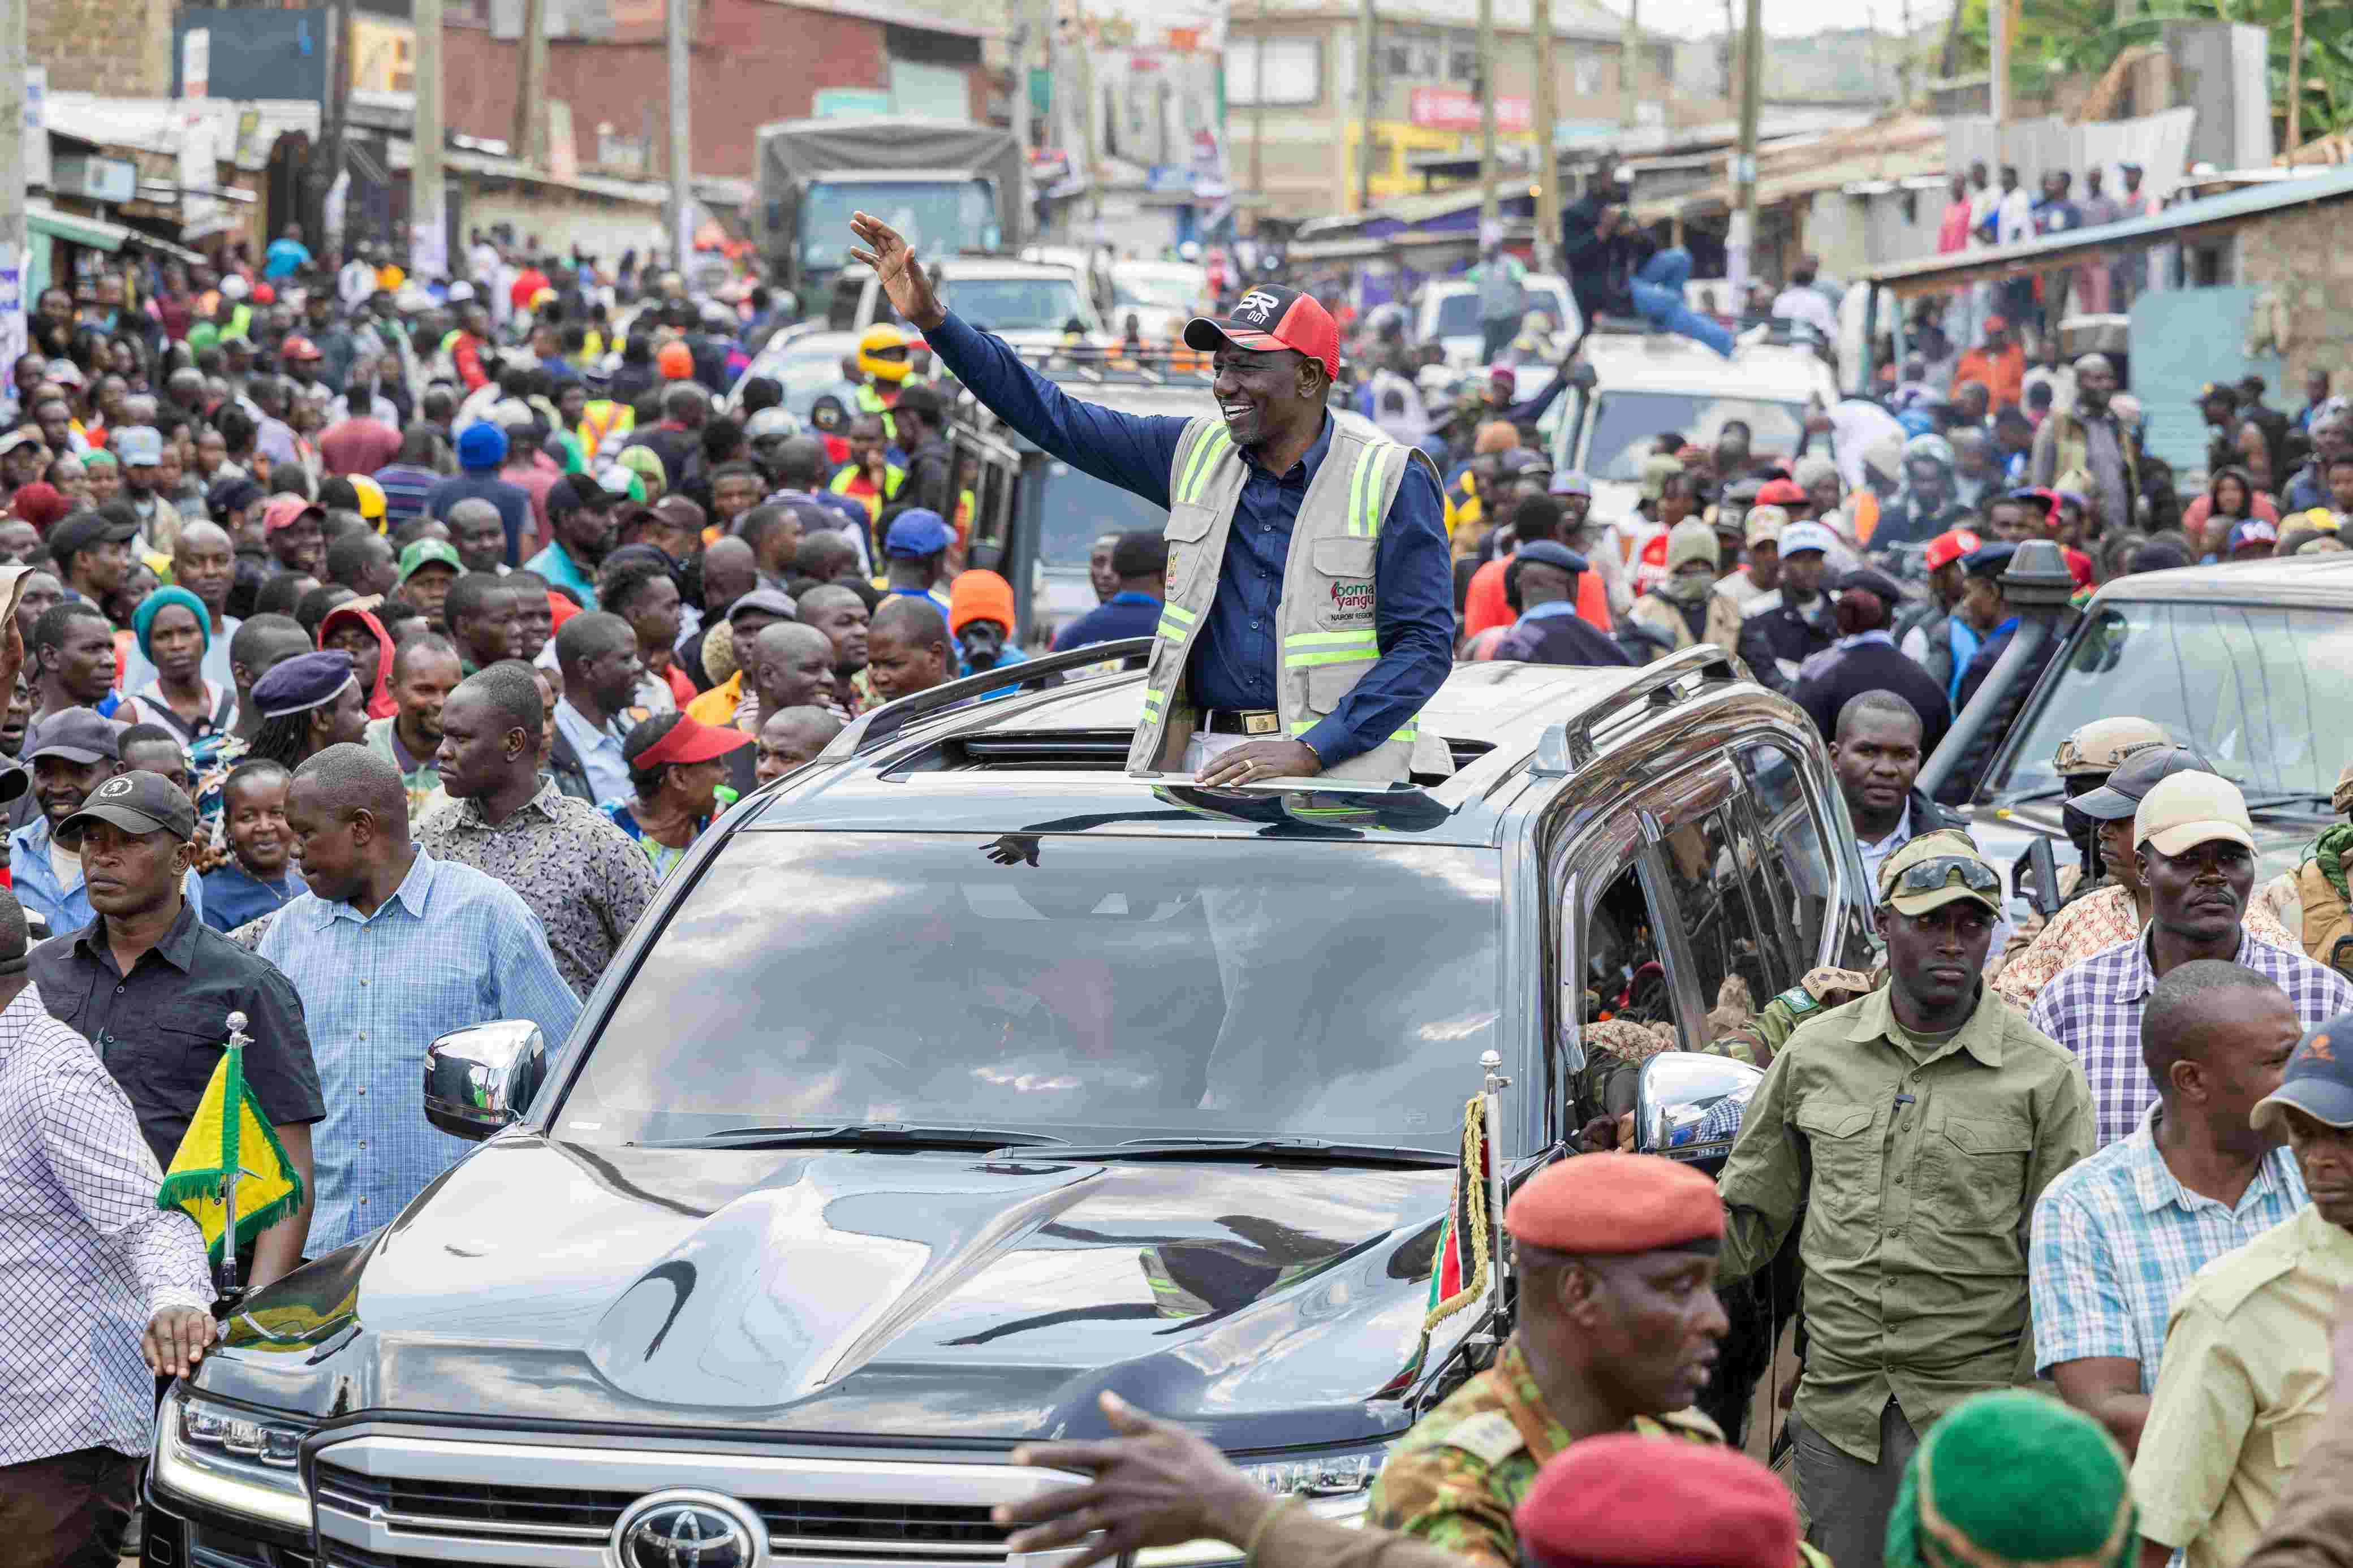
(894,476)
(869,401)
(1326,621)
(602,420)
(2327,933)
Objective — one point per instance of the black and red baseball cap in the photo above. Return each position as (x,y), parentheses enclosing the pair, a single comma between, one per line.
(1269,317)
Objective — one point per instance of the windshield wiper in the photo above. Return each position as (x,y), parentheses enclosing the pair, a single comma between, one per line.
(2034,794)
(900,1134)
(1320,1149)
(2278,798)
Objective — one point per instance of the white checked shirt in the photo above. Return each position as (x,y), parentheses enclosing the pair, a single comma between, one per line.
(2116,1239)
(86,1256)
(451,948)
(2094,1009)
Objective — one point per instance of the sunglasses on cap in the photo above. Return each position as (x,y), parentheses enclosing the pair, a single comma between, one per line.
(1927,876)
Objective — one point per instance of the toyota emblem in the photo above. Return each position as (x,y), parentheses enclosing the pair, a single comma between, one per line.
(687,1530)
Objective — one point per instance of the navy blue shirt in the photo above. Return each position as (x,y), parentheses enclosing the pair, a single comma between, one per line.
(513,500)
(1234,660)
(1123,614)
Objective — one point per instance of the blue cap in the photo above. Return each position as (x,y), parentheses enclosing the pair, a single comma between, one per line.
(2316,1082)
(1989,560)
(481,445)
(917,532)
(307,680)
(1551,552)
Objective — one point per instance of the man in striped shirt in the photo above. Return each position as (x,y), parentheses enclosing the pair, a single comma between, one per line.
(2117,1236)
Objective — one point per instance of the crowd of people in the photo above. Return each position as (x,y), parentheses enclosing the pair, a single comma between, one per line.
(381,650)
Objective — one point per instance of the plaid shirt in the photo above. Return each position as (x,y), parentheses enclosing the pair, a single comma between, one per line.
(89,1256)
(2094,1009)
(2116,1239)
(451,948)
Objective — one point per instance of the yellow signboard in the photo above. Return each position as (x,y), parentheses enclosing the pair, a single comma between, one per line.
(383,55)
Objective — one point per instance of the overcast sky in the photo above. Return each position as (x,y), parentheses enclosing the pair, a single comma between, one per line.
(1693,18)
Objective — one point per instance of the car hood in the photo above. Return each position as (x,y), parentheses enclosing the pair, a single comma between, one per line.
(891,1296)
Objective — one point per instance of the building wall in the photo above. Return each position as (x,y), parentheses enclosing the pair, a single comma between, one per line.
(754,61)
(2301,255)
(120,48)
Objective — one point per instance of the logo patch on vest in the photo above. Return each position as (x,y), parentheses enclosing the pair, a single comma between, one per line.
(1352,603)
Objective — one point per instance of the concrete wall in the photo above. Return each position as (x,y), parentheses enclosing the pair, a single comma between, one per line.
(601,229)
(120,48)
(754,61)
(2302,257)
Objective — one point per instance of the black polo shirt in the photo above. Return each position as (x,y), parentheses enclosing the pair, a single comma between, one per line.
(161,1029)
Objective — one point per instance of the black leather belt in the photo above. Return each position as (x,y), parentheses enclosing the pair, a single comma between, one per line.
(1240,721)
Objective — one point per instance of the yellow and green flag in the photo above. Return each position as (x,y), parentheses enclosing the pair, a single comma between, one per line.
(229,1133)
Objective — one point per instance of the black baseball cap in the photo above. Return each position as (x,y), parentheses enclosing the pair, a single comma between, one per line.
(2119,798)
(136,803)
(88,531)
(78,735)
(2319,1080)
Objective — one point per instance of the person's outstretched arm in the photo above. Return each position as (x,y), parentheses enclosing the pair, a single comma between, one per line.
(1131,451)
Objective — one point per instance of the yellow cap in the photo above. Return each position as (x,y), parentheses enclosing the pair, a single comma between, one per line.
(371,496)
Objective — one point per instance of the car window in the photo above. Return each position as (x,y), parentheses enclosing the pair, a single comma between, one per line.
(1626,423)
(1017,304)
(1086,987)
(1458,316)
(2242,684)
(1795,873)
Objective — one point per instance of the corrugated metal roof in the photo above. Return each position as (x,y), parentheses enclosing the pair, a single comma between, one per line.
(1570,18)
(1934,272)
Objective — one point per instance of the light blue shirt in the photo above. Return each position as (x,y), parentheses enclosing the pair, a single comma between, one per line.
(450,949)
(2116,1239)
(600,750)
(66,909)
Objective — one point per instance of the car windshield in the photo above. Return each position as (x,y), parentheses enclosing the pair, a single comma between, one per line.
(2241,684)
(1167,294)
(938,217)
(1076,509)
(1015,304)
(1458,315)
(806,373)
(1090,989)
(1625,425)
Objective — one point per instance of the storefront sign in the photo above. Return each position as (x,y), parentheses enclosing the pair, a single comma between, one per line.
(1452,109)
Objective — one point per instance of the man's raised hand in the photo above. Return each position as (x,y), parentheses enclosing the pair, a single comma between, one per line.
(881,248)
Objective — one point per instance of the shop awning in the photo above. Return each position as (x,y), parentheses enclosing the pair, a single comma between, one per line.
(74,228)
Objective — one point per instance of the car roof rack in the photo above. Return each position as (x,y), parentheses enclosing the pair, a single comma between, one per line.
(872,728)
(1566,746)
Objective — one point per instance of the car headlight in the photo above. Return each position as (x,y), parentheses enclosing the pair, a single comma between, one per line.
(242,1464)
(1335,1487)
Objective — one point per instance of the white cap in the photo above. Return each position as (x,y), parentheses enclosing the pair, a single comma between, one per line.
(2185,810)
(1807,535)
(461,291)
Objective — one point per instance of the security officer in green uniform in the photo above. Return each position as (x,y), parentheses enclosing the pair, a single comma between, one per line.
(1615,1255)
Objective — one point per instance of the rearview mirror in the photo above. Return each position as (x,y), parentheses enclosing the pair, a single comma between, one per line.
(1688,1107)
(478,1081)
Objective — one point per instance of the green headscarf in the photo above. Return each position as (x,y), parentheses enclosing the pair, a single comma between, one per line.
(143,619)
(2014,1480)
(2330,849)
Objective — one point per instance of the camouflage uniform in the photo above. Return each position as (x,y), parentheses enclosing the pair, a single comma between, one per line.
(1761,1038)
(1454,1480)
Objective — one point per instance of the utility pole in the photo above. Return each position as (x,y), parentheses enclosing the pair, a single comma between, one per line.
(1368,100)
(1741,241)
(14,328)
(2295,83)
(1998,87)
(1629,63)
(1488,220)
(1258,107)
(428,201)
(1548,160)
(531,108)
(1022,39)
(327,162)
(1904,54)
(681,182)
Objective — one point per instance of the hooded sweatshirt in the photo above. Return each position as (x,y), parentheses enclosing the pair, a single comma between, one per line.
(380,703)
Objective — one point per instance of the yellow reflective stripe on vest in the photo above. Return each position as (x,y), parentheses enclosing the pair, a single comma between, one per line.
(1176,624)
(1212,446)
(1302,651)
(1409,734)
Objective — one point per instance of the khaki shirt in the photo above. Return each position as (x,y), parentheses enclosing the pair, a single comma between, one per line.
(2243,1390)
(1929,1157)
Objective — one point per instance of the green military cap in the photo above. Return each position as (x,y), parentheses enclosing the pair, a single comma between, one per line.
(1936,868)
(2014,1480)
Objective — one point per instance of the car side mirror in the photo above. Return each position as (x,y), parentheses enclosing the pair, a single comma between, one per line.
(479,1079)
(1688,1107)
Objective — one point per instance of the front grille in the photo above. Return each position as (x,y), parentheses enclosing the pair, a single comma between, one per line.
(881,1533)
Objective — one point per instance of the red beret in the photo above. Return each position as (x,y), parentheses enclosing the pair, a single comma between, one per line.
(1628,1501)
(1615,1204)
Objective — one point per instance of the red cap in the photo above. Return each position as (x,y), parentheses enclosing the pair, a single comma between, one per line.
(1625,1500)
(676,361)
(1270,317)
(284,512)
(263,294)
(1615,1204)
(298,347)
(691,740)
(1950,546)
(1782,492)
(1996,324)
